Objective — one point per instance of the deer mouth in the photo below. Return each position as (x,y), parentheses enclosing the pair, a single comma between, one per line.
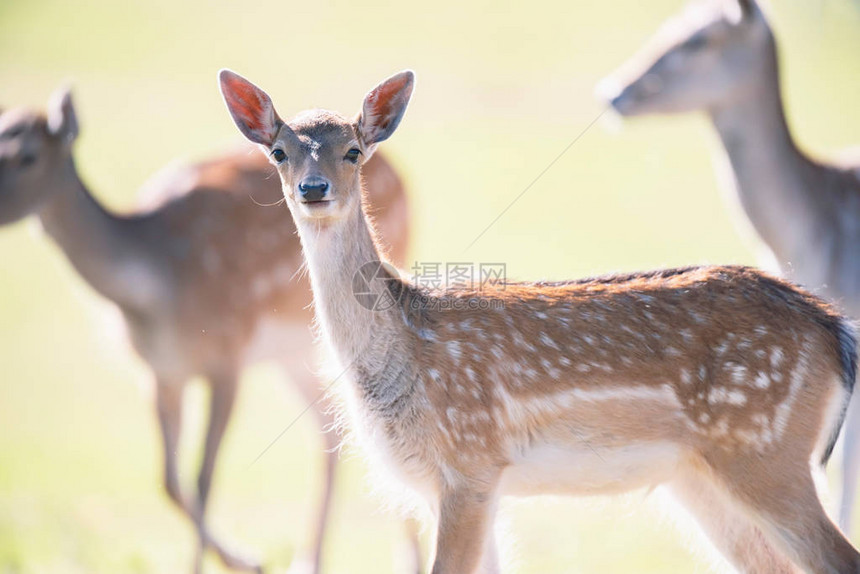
(316,203)
(318,207)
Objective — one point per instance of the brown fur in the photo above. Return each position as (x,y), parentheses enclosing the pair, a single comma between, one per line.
(199,274)
(721,58)
(723,383)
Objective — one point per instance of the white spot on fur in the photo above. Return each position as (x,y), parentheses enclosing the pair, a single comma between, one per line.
(470,373)
(739,373)
(783,410)
(776,357)
(451,413)
(665,393)
(314,149)
(697,317)
(455,351)
(521,342)
(721,428)
(722,395)
(547,340)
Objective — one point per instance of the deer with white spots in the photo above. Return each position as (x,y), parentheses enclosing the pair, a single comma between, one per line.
(720,57)
(723,383)
(207,278)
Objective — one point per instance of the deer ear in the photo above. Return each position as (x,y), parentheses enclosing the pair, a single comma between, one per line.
(62,119)
(749,10)
(250,107)
(384,107)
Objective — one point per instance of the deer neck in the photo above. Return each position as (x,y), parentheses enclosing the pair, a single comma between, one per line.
(99,245)
(334,253)
(767,169)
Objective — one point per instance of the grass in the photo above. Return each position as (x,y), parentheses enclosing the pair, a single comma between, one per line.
(502,89)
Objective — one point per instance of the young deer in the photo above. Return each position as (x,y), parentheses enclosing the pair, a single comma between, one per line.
(721,58)
(723,383)
(208,280)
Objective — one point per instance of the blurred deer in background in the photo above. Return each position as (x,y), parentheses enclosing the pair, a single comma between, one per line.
(721,58)
(208,280)
(725,384)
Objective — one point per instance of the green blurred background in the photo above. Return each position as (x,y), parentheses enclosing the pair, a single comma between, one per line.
(502,88)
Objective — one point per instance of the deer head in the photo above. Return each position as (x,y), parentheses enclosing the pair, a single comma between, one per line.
(703,59)
(318,153)
(34,149)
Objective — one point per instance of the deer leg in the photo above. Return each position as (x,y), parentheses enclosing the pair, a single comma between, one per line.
(410,556)
(309,386)
(465,519)
(223,395)
(728,527)
(323,510)
(169,407)
(221,406)
(850,464)
(786,508)
(490,560)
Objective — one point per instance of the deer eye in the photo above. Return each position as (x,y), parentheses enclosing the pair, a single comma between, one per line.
(28,160)
(279,155)
(13,133)
(695,42)
(352,155)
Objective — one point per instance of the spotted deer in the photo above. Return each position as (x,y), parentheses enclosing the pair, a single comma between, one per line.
(207,278)
(721,58)
(723,383)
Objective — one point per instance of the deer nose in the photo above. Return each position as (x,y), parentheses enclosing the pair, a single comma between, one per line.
(313,188)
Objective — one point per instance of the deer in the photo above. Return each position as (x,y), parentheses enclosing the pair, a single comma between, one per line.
(721,58)
(724,384)
(207,278)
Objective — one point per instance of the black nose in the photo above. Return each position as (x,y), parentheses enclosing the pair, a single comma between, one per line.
(313,188)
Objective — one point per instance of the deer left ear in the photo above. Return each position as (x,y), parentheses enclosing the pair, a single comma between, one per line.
(383,109)
(250,107)
(62,119)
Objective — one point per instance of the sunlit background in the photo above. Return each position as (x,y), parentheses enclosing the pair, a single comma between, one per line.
(502,88)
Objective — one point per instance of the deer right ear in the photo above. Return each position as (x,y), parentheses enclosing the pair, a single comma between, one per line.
(384,107)
(62,119)
(250,107)
(747,11)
